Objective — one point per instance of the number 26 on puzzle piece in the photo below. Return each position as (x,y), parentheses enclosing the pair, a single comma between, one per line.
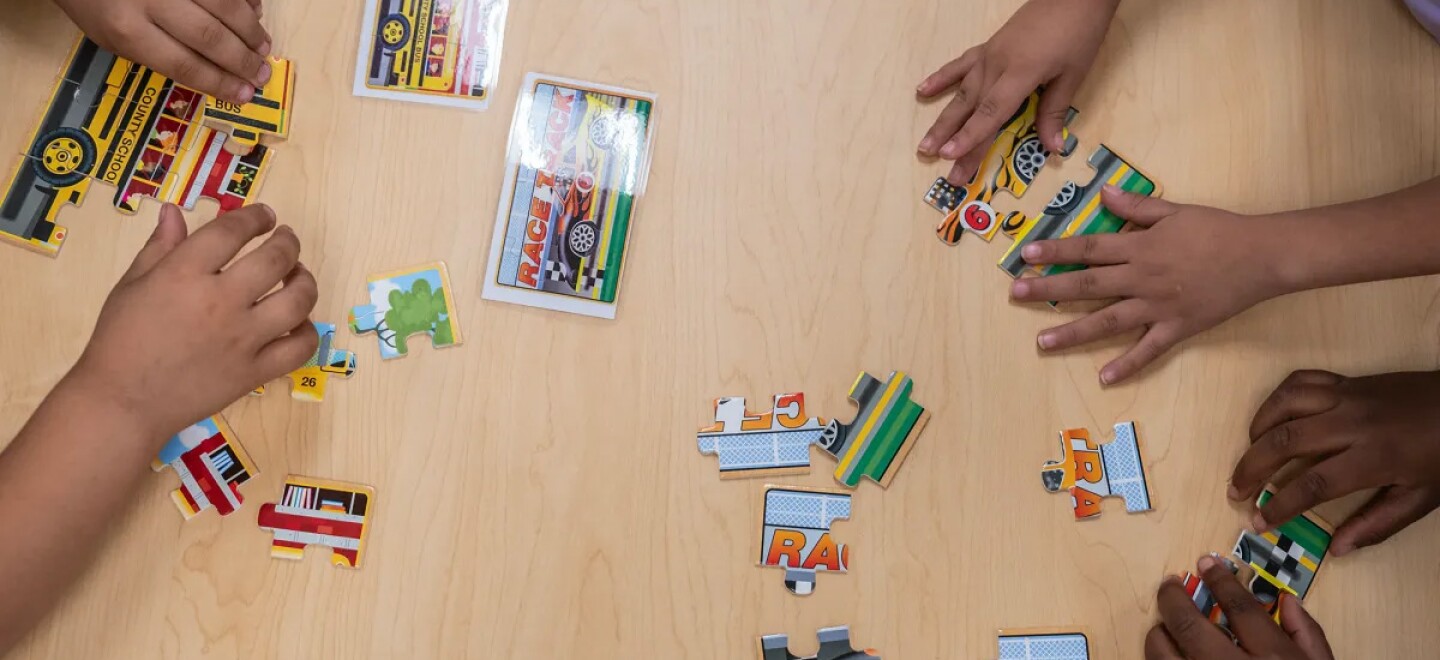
(308,383)
(1092,472)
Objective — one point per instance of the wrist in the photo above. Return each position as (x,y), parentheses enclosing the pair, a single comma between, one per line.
(1282,263)
(86,394)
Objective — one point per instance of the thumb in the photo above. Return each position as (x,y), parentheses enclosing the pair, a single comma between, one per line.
(1139,209)
(1053,111)
(1303,628)
(1391,509)
(170,230)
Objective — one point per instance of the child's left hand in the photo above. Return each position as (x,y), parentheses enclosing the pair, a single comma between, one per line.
(1372,432)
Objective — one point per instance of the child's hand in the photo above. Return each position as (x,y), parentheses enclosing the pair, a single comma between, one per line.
(1046,42)
(179,338)
(1372,432)
(214,46)
(1189,269)
(1184,633)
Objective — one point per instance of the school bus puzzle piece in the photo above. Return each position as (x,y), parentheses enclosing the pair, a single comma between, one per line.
(1092,472)
(115,121)
(268,113)
(308,383)
(311,511)
(834,645)
(1011,163)
(211,464)
(795,534)
(1043,644)
(755,444)
(882,434)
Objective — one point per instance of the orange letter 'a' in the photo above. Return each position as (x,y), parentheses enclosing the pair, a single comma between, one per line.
(1086,503)
(785,543)
(825,555)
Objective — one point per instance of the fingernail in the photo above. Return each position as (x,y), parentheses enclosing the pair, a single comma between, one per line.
(927,145)
(1030,252)
(1019,289)
(1047,341)
(263,76)
(245,93)
(1257,522)
(1205,563)
(264,49)
(1105,377)
(920,89)
(1233,492)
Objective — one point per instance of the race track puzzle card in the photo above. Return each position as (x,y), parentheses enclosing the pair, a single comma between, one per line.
(442,52)
(577,162)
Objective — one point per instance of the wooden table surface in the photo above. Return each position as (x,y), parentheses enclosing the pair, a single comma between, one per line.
(539,490)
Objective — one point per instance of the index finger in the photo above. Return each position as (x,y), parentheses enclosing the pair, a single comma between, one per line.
(995,108)
(1247,617)
(1086,249)
(1192,632)
(1335,477)
(1299,395)
(215,244)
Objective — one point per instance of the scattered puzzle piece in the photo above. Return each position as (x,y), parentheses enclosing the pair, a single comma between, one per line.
(408,302)
(771,443)
(319,512)
(1092,472)
(1076,210)
(211,465)
(834,645)
(1011,163)
(1044,644)
(1204,599)
(115,121)
(795,534)
(308,382)
(884,430)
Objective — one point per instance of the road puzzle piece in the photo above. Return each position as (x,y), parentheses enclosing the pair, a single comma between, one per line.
(407,302)
(1076,211)
(1092,472)
(1044,644)
(882,434)
(772,443)
(211,465)
(319,512)
(834,645)
(115,121)
(795,534)
(1011,163)
(308,382)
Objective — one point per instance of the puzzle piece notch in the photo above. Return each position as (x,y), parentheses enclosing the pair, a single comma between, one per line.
(754,444)
(211,464)
(883,432)
(795,534)
(1043,644)
(309,382)
(332,514)
(1092,472)
(834,645)
(408,302)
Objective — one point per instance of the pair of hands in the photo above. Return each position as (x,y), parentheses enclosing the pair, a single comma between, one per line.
(179,338)
(215,46)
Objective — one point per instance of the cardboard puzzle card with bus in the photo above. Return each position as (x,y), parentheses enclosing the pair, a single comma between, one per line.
(1092,472)
(876,442)
(755,444)
(441,52)
(211,465)
(311,511)
(309,381)
(1043,644)
(576,166)
(795,534)
(115,121)
(834,645)
(409,302)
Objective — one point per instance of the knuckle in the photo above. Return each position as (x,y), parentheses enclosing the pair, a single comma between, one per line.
(1283,439)
(1315,484)
(1239,604)
(1184,629)
(1110,322)
(187,69)
(211,33)
(989,107)
(1085,282)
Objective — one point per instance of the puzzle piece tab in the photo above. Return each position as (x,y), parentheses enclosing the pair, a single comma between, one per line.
(1076,210)
(211,465)
(407,302)
(771,443)
(308,382)
(1092,472)
(795,534)
(333,514)
(834,645)
(1044,644)
(882,433)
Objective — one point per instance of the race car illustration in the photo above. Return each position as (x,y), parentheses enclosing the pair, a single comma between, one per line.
(577,233)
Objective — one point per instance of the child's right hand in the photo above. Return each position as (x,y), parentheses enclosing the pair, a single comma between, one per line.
(215,46)
(179,339)
(1046,42)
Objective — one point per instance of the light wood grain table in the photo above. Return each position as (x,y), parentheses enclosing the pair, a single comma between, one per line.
(539,491)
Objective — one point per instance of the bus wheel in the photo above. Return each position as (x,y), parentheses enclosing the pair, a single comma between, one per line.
(63,157)
(394,32)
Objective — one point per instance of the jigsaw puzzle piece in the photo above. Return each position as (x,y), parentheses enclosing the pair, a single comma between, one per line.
(1289,556)
(884,430)
(1092,472)
(320,512)
(834,645)
(308,383)
(1076,210)
(267,113)
(1043,644)
(211,464)
(795,534)
(407,302)
(772,443)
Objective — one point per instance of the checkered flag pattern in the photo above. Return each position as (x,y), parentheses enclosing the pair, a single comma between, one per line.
(554,272)
(595,281)
(1124,470)
(1044,647)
